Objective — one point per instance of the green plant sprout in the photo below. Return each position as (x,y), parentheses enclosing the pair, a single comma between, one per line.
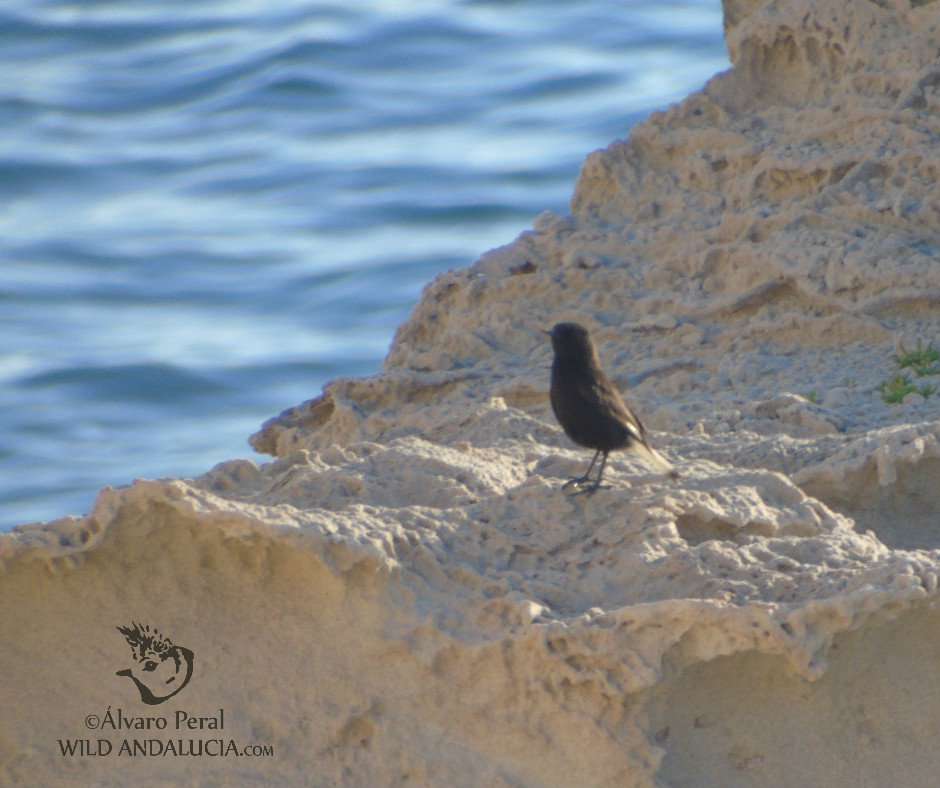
(923,360)
(896,389)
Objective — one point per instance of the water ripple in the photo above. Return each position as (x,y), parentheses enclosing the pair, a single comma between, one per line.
(211,209)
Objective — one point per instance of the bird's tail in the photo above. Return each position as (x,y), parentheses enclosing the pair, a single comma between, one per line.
(650,454)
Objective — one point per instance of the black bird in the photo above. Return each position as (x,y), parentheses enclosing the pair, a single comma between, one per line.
(588,406)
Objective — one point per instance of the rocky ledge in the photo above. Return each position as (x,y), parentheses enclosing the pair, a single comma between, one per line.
(405,596)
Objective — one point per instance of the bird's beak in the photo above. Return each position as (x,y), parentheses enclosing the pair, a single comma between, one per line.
(546,331)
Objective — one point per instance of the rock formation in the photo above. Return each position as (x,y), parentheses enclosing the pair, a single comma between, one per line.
(405,596)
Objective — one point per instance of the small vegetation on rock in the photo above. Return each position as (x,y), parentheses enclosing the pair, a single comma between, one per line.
(922,361)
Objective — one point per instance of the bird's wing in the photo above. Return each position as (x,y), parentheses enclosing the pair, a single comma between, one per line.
(600,393)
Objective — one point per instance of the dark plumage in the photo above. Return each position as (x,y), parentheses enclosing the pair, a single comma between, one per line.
(588,406)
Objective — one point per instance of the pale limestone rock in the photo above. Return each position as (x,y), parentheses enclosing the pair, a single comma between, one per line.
(405,596)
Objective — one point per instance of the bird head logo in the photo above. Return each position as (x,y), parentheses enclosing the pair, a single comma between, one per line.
(161,669)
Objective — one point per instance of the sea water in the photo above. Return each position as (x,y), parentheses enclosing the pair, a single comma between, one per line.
(211,209)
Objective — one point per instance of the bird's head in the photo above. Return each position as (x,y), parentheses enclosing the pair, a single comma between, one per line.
(571,340)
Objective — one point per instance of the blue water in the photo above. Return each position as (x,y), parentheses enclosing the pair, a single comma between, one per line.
(211,209)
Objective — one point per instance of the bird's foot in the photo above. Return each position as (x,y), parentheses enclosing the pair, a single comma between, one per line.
(589,490)
(577,481)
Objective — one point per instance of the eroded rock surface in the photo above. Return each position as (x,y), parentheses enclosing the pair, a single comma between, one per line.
(406,596)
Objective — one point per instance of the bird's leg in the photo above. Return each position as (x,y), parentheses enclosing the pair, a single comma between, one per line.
(600,472)
(582,479)
(597,482)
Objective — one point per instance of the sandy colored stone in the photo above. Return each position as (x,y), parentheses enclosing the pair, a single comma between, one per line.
(405,596)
